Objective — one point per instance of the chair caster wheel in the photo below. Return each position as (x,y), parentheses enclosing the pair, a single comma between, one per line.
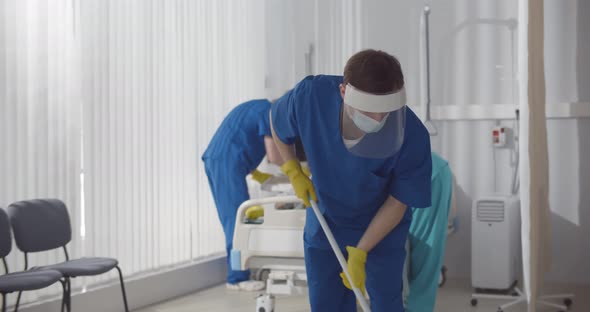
(473,302)
(568,302)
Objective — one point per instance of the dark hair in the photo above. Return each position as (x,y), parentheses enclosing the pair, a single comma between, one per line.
(374,72)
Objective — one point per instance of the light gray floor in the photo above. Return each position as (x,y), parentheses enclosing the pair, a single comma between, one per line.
(453,297)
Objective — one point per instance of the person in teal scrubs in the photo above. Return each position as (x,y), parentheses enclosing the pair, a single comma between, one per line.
(427,239)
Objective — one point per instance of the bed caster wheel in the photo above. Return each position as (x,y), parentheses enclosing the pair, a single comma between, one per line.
(265,303)
(473,302)
(262,275)
(568,302)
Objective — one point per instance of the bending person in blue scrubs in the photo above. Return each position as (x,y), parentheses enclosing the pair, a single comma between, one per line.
(236,150)
(369,157)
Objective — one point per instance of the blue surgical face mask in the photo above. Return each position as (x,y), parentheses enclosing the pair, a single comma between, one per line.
(366,123)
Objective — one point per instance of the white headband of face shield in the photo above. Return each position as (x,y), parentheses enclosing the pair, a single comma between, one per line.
(374,103)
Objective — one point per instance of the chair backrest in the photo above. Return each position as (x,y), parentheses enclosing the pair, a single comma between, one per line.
(40,224)
(5,237)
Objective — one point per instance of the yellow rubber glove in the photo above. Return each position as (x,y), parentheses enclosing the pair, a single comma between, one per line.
(301,183)
(357,259)
(254,212)
(260,177)
(306,170)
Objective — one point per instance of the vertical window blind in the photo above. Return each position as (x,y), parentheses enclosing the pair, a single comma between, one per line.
(108,105)
(40,114)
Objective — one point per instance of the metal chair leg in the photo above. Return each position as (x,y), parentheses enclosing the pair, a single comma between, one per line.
(3,302)
(69,296)
(123,288)
(17,301)
(64,294)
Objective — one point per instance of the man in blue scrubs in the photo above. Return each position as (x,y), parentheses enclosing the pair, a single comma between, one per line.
(369,157)
(236,149)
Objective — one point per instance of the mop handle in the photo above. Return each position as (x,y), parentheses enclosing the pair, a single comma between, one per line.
(339,255)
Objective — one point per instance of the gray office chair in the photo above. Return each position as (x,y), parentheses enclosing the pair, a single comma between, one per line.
(20,281)
(44,224)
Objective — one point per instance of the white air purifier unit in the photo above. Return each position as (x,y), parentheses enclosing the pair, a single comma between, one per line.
(495,242)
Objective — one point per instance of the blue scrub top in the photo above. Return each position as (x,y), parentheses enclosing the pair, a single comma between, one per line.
(240,137)
(350,189)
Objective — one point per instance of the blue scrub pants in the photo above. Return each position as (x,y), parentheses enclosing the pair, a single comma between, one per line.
(229,188)
(384,276)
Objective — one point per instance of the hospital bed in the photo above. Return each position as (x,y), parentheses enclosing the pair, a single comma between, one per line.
(272,246)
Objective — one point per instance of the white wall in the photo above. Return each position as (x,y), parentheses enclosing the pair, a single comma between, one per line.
(287,42)
(566,66)
(583,48)
(569,183)
(474,66)
(473,55)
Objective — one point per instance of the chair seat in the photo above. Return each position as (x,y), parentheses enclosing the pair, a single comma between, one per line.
(28,280)
(83,266)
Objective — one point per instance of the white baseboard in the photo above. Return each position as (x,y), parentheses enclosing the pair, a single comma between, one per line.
(143,290)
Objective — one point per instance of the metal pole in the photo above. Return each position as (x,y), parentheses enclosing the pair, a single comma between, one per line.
(428,120)
(339,255)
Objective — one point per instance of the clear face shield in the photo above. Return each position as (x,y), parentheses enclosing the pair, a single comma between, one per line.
(372,124)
